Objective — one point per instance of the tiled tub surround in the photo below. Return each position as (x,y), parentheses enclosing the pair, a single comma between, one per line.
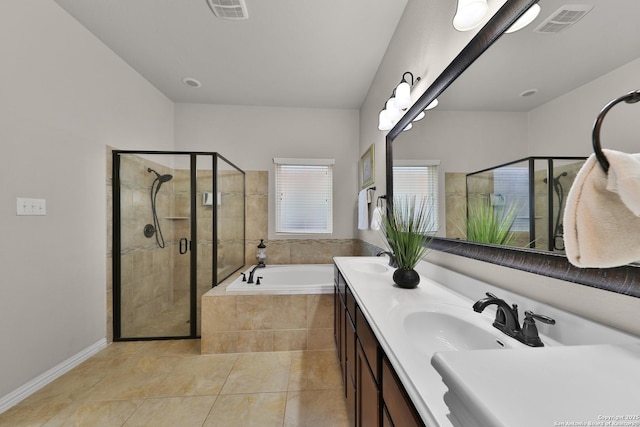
(258,323)
(284,251)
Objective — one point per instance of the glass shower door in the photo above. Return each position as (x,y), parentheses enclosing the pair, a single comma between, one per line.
(153,299)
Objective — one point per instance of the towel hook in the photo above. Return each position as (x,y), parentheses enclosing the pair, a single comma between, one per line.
(629,98)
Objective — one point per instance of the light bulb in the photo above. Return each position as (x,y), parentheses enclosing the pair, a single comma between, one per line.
(469,14)
(392,112)
(419,116)
(433,104)
(526,19)
(403,95)
(384,123)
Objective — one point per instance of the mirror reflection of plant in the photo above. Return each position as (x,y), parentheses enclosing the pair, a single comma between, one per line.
(488,224)
(408,229)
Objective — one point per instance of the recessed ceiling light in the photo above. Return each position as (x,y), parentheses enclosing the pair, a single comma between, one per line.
(191,82)
(529,92)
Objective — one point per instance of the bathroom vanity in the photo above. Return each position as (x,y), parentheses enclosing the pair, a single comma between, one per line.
(423,357)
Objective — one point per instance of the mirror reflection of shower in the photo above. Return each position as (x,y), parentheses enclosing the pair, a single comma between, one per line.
(154,229)
(558,230)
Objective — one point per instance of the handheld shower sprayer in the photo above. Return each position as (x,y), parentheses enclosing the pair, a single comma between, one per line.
(149,229)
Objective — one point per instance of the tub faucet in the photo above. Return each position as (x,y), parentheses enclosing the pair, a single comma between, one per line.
(392,258)
(506,316)
(253,270)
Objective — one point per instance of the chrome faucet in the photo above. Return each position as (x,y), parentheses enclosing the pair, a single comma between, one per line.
(392,258)
(507,320)
(253,270)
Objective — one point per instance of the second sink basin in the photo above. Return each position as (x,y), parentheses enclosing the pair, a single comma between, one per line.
(366,266)
(432,331)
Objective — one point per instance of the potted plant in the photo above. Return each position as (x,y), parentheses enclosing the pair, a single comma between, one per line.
(486,224)
(407,229)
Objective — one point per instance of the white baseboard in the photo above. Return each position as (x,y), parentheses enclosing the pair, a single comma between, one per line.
(42,380)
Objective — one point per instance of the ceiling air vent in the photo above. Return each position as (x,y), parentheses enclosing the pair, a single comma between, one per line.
(229,9)
(563,18)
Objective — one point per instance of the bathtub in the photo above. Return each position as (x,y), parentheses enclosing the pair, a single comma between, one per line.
(286,279)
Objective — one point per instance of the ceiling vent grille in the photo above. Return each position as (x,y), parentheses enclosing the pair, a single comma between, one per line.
(229,9)
(563,18)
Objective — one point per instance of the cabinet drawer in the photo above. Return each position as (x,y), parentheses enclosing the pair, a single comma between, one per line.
(369,344)
(399,406)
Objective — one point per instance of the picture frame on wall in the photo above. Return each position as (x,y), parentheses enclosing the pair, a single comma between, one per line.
(367,170)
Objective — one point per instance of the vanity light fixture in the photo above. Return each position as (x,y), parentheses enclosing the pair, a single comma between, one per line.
(397,104)
(526,19)
(469,14)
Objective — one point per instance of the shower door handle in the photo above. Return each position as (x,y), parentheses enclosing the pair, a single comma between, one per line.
(184,246)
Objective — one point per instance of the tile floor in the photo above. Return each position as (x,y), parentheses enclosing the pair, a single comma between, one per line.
(169,383)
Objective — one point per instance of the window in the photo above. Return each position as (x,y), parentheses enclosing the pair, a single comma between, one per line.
(304,195)
(418,179)
(511,188)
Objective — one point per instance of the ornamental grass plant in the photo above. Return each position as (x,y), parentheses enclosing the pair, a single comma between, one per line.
(486,224)
(408,230)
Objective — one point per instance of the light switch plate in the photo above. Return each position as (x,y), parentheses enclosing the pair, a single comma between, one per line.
(25,206)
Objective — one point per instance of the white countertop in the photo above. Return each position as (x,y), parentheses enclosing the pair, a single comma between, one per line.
(554,386)
(384,305)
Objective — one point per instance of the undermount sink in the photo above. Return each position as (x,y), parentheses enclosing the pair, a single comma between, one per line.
(370,267)
(432,331)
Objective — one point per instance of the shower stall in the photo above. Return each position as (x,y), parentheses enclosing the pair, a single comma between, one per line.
(178,231)
(535,188)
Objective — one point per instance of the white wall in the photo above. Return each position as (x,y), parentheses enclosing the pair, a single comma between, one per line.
(250,137)
(425,40)
(424,43)
(563,127)
(64,98)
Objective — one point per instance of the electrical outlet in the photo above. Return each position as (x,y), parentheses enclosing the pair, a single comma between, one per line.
(25,206)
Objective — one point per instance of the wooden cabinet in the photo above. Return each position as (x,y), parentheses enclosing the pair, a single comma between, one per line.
(368,403)
(375,396)
(399,408)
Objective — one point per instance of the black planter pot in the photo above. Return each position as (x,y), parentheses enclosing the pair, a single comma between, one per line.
(406,278)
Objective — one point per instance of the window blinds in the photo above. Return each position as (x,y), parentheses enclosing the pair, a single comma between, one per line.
(304,195)
(418,179)
(511,188)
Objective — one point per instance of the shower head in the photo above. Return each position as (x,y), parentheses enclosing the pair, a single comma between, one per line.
(161,178)
(165,178)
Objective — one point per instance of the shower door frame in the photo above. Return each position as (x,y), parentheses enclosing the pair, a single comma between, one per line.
(193,236)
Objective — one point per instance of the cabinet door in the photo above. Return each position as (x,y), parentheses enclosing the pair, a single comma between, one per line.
(400,408)
(386,420)
(350,380)
(337,306)
(343,341)
(369,344)
(368,395)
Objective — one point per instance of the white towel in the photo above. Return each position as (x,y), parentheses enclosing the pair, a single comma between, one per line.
(601,222)
(376,219)
(363,210)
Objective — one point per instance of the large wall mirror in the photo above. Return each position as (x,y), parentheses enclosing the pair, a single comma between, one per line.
(528,101)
